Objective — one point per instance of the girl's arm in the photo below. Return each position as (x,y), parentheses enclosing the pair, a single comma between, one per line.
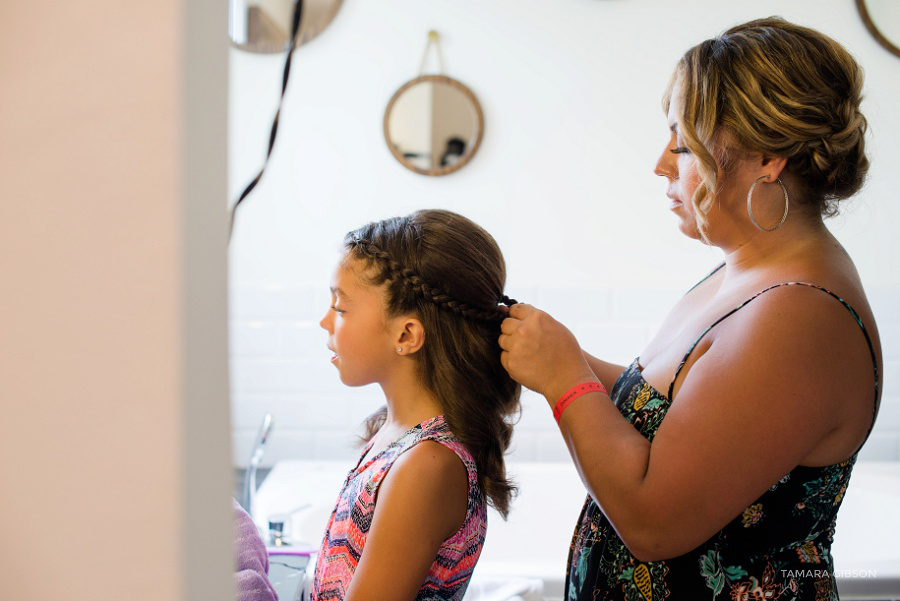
(420,503)
(607,373)
(788,381)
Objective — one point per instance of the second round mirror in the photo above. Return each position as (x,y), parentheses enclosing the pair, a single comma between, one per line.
(433,125)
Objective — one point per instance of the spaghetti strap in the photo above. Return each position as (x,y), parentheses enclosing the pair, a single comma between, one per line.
(746,302)
(706,277)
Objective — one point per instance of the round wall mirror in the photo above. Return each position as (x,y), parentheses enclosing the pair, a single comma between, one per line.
(433,125)
(882,19)
(264,26)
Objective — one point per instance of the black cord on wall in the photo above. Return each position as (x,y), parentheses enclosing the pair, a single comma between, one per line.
(295,27)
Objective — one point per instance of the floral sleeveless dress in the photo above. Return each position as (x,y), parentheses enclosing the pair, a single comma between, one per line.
(777,548)
(348,527)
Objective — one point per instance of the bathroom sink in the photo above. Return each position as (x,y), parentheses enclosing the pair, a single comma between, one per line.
(288,574)
(534,542)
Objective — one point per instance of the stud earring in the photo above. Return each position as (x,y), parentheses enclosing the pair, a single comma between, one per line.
(400,349)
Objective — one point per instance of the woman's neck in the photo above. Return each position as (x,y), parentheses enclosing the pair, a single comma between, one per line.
(753,248)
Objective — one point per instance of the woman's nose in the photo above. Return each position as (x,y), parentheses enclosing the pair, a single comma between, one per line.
(665,166)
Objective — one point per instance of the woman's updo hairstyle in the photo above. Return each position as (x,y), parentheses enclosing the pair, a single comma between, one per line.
(450,273)
(774,88)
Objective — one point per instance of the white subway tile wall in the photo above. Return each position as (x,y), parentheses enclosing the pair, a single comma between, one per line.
(280,365)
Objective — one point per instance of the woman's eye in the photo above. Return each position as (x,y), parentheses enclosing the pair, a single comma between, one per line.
(336,310)
(680,150)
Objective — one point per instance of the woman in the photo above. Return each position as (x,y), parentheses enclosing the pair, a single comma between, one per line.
(744,415)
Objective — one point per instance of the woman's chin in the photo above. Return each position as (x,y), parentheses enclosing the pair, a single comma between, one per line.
(689,228)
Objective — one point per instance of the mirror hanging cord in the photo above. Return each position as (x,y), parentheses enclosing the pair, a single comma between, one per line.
(435,38)
(295,27)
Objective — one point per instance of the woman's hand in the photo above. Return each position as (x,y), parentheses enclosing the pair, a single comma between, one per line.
(540,353)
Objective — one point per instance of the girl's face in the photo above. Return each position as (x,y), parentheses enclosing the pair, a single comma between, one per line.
(358,330)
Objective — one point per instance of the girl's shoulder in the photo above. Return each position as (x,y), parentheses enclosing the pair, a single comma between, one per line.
(436,430)
(431,476)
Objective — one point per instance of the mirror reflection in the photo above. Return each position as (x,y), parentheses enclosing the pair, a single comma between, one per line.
(264,25)
(433,125)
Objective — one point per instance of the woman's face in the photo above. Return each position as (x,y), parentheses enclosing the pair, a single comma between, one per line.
(679,166)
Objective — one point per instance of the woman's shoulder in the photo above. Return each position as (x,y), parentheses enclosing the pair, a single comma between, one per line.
(816,312)
(818,294)
(822,289)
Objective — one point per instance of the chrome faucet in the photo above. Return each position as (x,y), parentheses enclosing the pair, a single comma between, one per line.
(259,449)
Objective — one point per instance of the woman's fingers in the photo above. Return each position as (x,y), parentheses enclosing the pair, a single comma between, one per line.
(503,341)
(520,311)
(509,325)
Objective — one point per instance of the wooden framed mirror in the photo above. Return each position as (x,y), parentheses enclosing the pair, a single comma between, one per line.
(264,26)
(882,19)
(433,125)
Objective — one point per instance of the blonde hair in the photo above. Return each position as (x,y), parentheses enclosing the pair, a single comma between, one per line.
(773,88)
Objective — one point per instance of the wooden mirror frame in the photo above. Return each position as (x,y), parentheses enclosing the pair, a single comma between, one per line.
(870,25)
(317,15)
(472,147)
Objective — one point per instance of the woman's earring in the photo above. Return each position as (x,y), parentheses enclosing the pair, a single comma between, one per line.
(400,349)
(750,204)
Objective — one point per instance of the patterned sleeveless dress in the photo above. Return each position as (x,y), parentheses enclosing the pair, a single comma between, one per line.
(345,536)
(777,548)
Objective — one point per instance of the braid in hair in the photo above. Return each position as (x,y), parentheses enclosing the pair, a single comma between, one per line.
(419,286)
(449,272)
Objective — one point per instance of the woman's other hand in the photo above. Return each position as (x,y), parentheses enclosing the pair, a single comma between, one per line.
(540,353)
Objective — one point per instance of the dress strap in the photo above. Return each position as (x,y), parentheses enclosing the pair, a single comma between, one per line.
(746,302)
(706,277)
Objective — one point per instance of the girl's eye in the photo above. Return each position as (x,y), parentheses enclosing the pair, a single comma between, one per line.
(336,310)
(680,150)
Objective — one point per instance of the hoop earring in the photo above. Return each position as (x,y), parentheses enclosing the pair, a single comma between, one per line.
(750,204)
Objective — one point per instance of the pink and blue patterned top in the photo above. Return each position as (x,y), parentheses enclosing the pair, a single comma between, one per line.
(345,535)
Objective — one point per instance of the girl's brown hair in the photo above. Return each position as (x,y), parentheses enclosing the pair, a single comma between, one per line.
(772,88)
(450,273)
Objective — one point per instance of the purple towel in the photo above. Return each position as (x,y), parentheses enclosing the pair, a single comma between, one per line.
(251,560)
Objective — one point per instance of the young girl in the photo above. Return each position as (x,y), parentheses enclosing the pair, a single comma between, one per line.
(415,309)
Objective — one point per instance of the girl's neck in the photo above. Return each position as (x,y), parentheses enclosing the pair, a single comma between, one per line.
(408,403)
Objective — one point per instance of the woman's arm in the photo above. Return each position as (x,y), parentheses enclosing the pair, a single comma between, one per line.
(763,397)
(420,503)
(607,373)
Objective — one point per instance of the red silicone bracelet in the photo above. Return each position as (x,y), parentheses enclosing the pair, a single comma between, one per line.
(566,399)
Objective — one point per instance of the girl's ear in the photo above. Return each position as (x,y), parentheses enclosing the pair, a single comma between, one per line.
(410,335)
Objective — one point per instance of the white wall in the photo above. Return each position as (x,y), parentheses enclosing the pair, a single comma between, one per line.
(571,95)
(114,445)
